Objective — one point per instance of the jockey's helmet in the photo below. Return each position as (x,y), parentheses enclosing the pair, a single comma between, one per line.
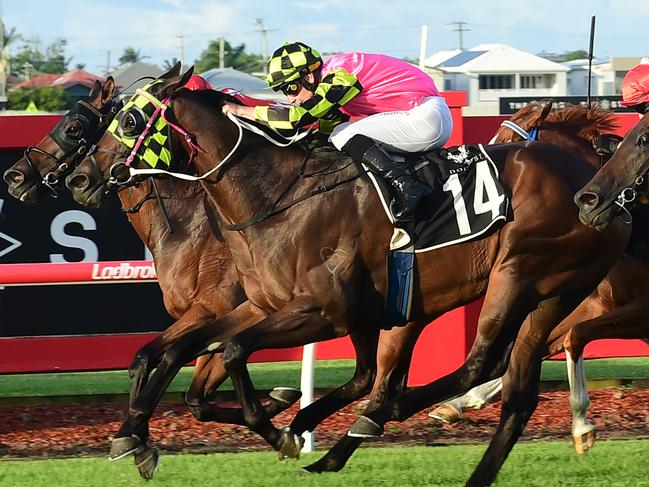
(290,62)
(635,87)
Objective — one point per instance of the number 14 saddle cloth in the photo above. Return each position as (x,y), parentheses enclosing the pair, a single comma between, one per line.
(468,201)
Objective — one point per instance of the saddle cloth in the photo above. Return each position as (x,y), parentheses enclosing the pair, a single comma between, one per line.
(468,200)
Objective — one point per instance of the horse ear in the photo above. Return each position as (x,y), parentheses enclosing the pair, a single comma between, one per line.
(170,86)
(108,90)
(95,91)
(175,71)
(545,111)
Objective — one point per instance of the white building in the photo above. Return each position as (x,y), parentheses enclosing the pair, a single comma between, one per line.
(490,71)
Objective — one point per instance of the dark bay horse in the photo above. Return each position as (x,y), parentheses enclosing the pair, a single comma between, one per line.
(195,270)
(195,274)
(618,307)
(532,272)
(619,182)
(43,168)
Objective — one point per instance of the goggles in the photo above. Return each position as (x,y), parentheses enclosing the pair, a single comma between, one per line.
(290,89)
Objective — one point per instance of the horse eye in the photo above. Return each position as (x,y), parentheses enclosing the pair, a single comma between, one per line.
(132,124)
(73,130)
(643,140)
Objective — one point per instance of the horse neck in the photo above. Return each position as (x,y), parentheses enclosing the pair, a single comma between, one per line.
(572,143)
(149,222)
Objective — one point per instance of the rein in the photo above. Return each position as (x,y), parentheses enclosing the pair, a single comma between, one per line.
(279,209)
(161,108)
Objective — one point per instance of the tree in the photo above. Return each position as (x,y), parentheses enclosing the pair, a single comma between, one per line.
(170,63)
(46,98)
(572,55)
(131,55)
(234,57)
(53,60)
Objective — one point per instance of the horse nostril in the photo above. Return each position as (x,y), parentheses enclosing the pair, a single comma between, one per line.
(13,177)
(78,182)
(588,200)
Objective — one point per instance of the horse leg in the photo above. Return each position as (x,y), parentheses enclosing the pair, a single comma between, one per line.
(629,321)
(393,363)
(450,412)
(521,383)
(358,386)
(299,322)
(505,306)
(145,360)
(209,374)
(189,346)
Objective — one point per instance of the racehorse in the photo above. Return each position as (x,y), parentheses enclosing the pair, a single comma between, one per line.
(43,168)
(189,264)
(193,264)
(618,183)
(533,271)
(618,307)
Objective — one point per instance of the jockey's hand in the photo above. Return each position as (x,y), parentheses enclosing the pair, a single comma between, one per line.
(239,110)
(318,139)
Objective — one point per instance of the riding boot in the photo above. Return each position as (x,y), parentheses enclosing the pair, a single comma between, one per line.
(408,190)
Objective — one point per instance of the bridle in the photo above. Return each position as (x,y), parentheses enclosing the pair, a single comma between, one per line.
(93,122)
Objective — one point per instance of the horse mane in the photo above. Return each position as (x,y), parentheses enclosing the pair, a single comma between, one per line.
(587,123)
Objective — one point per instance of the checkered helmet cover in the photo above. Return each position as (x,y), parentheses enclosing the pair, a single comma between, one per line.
(290,62)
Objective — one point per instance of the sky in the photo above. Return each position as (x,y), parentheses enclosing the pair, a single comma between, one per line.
(99,29)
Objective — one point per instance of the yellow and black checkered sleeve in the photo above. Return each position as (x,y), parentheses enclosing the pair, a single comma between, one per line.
(335,90)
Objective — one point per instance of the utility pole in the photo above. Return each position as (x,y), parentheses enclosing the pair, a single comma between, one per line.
(264,42)
(459,28)
(27,66)
(181,39)
(221,52)
(3,62)
(107,63)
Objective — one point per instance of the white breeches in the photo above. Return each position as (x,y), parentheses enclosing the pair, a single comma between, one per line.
(426,126)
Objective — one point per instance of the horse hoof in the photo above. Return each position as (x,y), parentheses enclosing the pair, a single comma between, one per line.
(584,442)
(122,447)
(147,461)
(290,444)
(364,427)
(446,413)
(285,395)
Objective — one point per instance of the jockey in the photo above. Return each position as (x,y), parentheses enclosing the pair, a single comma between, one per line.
(361,100)
(635,88)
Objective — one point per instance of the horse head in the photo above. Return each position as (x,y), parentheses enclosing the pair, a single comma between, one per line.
(138,134)
(615,184)
(43,167)
(579,130)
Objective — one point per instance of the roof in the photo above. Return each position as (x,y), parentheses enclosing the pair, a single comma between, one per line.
(77,77)
(126,76)
(439,57)
(498,58)
(38,81)
(461,58)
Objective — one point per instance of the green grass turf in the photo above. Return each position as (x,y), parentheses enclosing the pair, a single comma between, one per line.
(328,374)
(611,463)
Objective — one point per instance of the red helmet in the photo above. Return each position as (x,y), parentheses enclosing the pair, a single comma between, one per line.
(635,87)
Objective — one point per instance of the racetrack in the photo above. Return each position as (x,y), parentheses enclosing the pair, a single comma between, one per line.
(63,431)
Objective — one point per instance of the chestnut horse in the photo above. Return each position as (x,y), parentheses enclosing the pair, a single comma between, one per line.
(533,271)
(618,308)
(195,271)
